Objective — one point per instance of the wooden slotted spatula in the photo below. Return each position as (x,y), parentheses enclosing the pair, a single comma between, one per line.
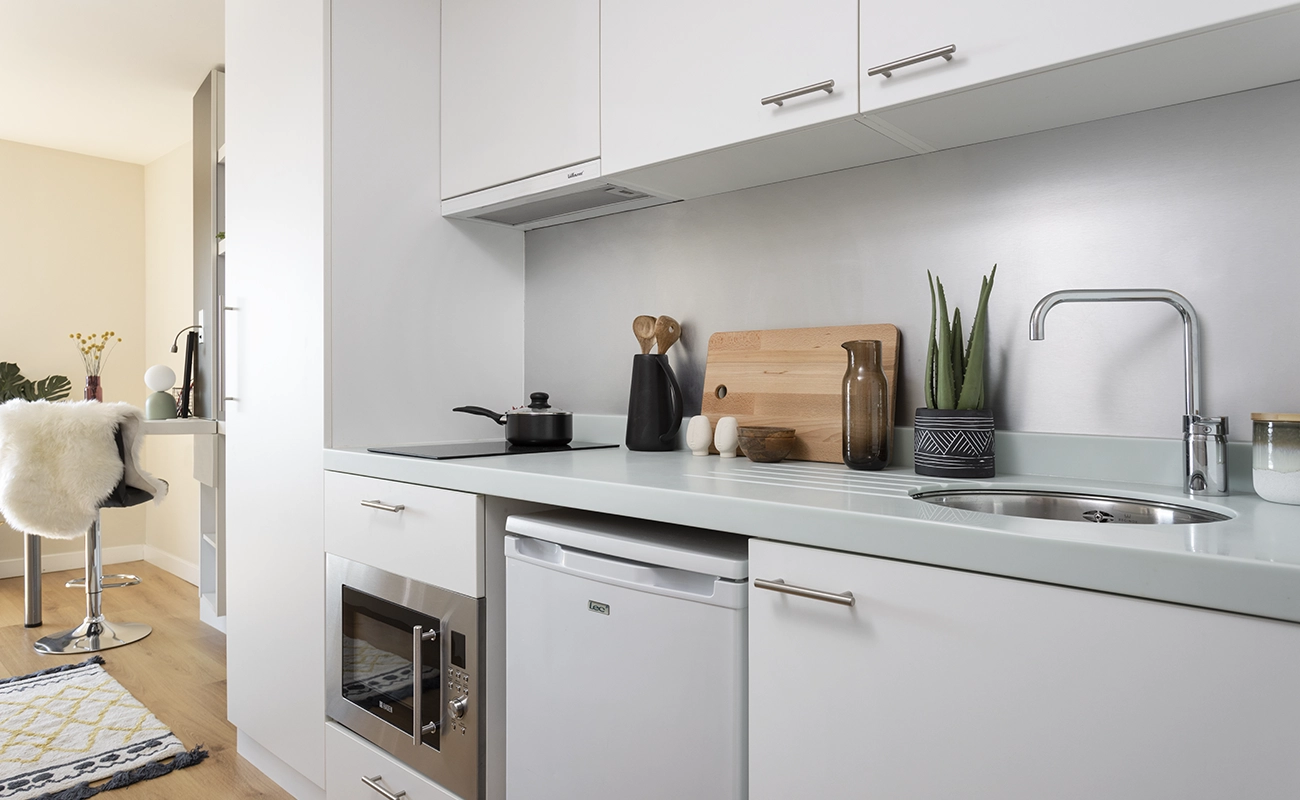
(644,328)
(667,331)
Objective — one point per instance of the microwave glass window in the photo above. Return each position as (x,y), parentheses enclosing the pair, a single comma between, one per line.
(378,661)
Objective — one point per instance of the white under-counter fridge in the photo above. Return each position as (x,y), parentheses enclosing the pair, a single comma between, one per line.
(625,659)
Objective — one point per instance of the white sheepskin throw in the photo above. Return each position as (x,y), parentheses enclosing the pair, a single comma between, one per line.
(58,462)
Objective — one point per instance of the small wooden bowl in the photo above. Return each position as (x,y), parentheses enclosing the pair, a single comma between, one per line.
(765,444)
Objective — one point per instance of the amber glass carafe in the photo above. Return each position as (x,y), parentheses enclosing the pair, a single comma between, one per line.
(866,407)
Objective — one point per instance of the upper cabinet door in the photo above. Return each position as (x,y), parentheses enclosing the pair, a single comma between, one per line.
(520,89)
(681,76)
(1013,37)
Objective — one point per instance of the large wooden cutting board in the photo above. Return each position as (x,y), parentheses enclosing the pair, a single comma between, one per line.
(793,378)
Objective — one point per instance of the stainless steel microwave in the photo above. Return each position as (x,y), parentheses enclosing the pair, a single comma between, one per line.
(405,670)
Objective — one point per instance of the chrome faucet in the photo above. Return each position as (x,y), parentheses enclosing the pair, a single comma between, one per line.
(1205,439)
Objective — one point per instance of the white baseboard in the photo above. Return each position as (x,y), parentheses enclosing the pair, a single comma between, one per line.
(187,571)
(288,778)
(57,562)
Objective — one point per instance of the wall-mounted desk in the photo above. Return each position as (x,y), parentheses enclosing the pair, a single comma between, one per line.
(32,542)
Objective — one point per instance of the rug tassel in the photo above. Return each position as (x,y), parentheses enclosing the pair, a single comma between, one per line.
(55,670)
(144,773)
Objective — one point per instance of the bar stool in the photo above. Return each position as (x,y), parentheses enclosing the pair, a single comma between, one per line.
(61,463)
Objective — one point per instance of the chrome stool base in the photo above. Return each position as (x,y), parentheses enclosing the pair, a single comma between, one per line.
(117,582)
(92,636)
(95,633)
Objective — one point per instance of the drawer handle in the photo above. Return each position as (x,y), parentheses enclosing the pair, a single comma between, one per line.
(382,506)
(778,585)
(888,69)
(419,636)
(779,99)
(373,783)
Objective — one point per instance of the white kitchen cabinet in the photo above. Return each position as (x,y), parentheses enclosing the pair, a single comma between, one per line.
(275,429)
(1016,37)
(1044,66)
(357,770)
(681,77)
(520,89)
(419,532)
(938,683)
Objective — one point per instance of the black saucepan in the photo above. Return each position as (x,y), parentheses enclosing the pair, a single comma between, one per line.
(536,424)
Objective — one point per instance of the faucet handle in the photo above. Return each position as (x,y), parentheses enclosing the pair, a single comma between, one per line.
(1205,455)
(1205,426)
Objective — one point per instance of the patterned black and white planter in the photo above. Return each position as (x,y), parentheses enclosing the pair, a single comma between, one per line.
(953,443)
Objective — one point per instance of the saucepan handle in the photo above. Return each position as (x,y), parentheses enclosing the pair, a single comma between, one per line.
(499,419)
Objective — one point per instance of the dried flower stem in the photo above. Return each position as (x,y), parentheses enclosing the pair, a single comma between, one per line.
(95,350)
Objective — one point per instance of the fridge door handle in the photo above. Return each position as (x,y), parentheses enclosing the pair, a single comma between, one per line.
(642,577)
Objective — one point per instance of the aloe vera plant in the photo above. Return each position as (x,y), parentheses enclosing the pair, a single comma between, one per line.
(954,374)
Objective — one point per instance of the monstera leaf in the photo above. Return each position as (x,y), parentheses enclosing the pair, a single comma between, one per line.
(14,385)
(11,381)
(55,387)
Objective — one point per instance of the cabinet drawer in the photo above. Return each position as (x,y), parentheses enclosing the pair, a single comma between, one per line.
(348,759)
(430,535)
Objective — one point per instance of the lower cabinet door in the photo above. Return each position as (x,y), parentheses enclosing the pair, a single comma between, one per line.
(357,770)
(939,684)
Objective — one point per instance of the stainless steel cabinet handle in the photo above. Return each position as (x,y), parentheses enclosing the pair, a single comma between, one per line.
(418,636)
(779,99)
(888,69)
(778,585)
(373,783)
(382,506)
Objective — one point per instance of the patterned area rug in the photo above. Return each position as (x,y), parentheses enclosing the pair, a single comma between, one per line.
(66,728)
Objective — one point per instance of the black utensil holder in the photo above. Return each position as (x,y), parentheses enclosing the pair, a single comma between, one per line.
(654,406)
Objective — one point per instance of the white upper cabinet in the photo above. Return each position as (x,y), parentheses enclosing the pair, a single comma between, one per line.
(520,90)
(1016,37)
(680,77)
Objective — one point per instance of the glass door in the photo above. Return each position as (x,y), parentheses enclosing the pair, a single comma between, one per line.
(379,662)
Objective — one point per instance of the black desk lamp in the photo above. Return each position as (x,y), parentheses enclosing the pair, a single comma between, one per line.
(187,378)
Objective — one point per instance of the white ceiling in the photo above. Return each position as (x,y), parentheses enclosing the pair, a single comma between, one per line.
(108,78)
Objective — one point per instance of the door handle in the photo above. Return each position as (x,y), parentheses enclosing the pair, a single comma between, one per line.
(373,783)
(887,70)
(779,585)
(383,506)
(779,99)
(418,637)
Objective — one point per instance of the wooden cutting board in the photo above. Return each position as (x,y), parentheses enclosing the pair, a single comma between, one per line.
(792,378)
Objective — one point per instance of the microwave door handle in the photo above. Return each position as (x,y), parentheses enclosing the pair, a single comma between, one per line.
(418,637)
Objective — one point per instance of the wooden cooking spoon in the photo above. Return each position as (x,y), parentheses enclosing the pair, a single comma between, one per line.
(644,328)
(667,331)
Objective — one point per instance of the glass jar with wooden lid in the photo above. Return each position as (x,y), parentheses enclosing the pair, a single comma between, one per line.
(1276,457)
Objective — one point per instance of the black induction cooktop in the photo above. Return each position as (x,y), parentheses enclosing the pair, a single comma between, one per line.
(495,447)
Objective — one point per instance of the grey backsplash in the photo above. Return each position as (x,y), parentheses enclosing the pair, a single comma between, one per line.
(1202,198)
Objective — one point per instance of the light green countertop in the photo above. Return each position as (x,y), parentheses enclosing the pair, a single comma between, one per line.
(1248,564)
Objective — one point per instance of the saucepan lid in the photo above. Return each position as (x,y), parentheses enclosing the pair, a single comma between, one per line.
(540,406)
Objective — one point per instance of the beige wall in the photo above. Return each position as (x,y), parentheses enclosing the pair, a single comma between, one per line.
(72,260)
(171,528)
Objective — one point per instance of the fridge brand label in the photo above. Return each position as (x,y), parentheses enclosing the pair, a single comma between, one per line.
(599,608)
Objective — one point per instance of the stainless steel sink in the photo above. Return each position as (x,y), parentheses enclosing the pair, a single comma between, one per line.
(1069,506)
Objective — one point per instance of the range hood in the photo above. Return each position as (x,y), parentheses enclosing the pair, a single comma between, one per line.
(553,198)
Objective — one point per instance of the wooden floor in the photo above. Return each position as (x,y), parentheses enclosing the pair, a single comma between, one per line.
(178,672)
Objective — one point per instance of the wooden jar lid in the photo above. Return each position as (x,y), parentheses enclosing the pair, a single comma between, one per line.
(1275,417)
